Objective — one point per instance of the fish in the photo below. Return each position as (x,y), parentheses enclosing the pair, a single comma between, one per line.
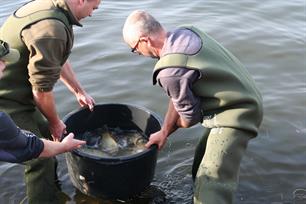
(112,142)
(92,140)
(108,144)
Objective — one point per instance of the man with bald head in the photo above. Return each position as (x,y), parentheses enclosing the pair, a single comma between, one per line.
(41,31)
(205,83)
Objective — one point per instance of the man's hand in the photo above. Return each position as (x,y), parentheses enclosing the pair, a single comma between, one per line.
(70,143)
(85,100)
(159,138)
(68,77)
(52,148)
(57,129)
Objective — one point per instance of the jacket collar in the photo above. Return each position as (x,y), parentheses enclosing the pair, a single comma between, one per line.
(63,5)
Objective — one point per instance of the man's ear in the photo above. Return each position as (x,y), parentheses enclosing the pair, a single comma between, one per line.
(147,39)
(143,39)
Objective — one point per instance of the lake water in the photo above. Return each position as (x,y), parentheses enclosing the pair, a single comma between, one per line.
(267,36)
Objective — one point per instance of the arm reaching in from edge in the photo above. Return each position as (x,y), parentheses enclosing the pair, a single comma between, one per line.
(17,145)
(52,148)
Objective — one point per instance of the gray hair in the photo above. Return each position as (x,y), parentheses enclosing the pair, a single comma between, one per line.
(140,23)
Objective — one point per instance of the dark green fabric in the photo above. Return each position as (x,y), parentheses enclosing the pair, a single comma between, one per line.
(16,99)
(232,108)
(199,153)
(216,165)
(228,93)
(15,89)
(39,173)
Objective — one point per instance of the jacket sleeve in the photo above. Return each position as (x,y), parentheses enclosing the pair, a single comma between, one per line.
(177,83)
(17,145)
(47,44)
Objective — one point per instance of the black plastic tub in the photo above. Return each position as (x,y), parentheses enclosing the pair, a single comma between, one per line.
(115,177)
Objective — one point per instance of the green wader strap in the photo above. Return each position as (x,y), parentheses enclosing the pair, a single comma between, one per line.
(25,21)
(172,60)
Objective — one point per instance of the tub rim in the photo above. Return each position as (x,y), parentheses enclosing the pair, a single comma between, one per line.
(118,159)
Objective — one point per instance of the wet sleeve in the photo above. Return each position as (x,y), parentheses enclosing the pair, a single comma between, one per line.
(46,42)
(177,83)
(16,145)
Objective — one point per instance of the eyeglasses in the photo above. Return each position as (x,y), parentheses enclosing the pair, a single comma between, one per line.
(133,49)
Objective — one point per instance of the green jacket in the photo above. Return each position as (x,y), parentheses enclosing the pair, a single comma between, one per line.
(15,88)
(227,91)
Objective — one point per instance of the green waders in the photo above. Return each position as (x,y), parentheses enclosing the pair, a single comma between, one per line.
(16,99)
(232,110)
(216,165)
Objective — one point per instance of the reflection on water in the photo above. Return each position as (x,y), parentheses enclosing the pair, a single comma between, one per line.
(269,39)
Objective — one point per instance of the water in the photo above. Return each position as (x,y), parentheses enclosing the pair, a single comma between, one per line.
(268,37)
(109,142)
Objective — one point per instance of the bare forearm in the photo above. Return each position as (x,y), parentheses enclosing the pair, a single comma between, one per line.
(46,104)
(51,148)
(171,118)
(169,126)
(68,77)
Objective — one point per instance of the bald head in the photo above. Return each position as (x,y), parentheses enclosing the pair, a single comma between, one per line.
(138,24)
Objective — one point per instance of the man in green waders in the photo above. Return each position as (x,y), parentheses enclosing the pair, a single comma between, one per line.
(42,32)
(207,84)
